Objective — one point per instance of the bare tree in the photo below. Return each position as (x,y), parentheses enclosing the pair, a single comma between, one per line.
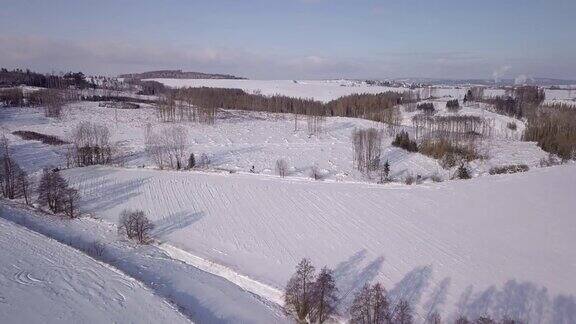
(434,318)
(135,225)
(91,144)
(367,149)
(23,185)
(324,296)
(52,191)
(299,293)
(168,149)
(402,313)
(70,198)
(370,306)
(7,172)
(282,167)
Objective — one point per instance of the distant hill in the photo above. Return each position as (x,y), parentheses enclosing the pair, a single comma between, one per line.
(176,74)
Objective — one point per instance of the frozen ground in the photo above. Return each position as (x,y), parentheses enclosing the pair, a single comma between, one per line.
(44,281)
(498,245)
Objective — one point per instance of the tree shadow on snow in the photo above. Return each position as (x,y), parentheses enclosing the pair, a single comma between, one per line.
(523,301)
(175,222)
(351,275)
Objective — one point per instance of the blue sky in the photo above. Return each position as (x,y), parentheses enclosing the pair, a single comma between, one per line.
(294,38)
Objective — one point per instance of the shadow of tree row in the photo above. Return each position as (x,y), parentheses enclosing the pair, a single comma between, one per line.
(522,301)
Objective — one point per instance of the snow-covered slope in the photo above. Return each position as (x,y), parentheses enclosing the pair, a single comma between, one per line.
(240,140)
(498,244)
(326,90)
(44,281)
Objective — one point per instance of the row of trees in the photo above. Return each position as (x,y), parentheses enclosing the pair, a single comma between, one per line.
(51,99)
(368,106)
(314,298)
(17,77)
(451,126)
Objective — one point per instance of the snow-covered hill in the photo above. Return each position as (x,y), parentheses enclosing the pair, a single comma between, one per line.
(44,281)
(498,245)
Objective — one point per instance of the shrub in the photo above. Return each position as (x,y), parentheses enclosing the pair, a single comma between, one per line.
(448,152)
(426,107)
(452,105)
(402,140)
(12,97)
(191,161)
(514,168)
(315,173)
(512,126)
(462,172)
(135,225)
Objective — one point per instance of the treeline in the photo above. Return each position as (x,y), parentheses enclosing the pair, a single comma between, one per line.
(368,106)
(17,77)
(315,298)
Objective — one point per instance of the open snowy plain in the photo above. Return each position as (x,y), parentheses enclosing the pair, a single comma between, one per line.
(498,245)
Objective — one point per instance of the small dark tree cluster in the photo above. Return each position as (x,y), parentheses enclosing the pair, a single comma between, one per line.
(403,140)
(452,105)
(426,107)
(191,161)
(14,182)
(54,192)
(310,297)
(135,225)
(18,77)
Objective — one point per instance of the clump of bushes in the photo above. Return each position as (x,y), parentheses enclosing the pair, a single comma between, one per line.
(452,105)
(426,107)
(462,172)
(135,225)
(403,140)
(513,168)
(449,152)
(45,139)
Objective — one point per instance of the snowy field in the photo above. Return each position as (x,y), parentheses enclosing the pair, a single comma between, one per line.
(229,239)
(326,90)
(44,281)
(472,247)
(240,140)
